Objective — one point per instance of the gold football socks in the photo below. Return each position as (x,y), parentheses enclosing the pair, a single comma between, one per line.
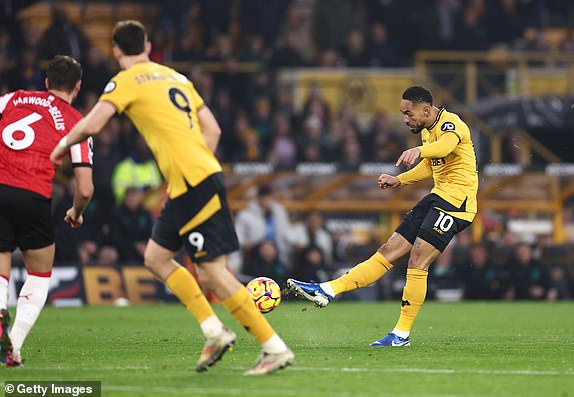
(362,275)
(187,290)
(242,307)
(414,295)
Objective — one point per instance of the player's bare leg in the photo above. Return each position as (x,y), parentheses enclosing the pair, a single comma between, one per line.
(362,275)
(5,265)
(414,293)
(236,300)
(32,297)
(5,342)
(218,339)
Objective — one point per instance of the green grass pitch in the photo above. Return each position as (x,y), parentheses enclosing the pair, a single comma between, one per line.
(464,349)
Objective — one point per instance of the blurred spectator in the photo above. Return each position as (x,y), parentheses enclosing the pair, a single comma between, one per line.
(471,33)
(191,34)
(7,52)
(246,141)
(283,150)
(214,18)
(160,48)
(351,152)
(186,49)
(63,38)
(528,278)
(225,115)
(503,21)
(311,233)
(381,52)
(381,143)
(299,23)
(233,81)
(480,276)
(310,265)
(96,72)
(263,18)
(133,225)
(440,24)
(265,262)
(287,54)
(66,238)
(139,170)
(554,258)
(26,75)
(106,156)
(255,50)
(260,86)
(262,122)
(311,143)
(333,20)
(442,273)
(353,51)
(264,219)
(98,237)
(329,59)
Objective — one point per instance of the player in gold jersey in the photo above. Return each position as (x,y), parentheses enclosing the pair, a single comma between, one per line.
(183,134)
(448,157)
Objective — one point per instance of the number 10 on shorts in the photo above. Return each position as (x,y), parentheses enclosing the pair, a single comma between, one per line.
(444,222)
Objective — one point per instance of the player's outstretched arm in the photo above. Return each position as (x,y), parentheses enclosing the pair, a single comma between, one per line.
(83,191)
(209,128)
(90,125)
(422,170)
(441,148)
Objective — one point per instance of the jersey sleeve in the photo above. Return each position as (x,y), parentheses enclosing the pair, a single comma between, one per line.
(441,148)
(4,99)
(454,126)
(422,170)
(120,92)
(81,154)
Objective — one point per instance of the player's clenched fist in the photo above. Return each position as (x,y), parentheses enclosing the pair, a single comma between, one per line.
(73,219)
(386,181)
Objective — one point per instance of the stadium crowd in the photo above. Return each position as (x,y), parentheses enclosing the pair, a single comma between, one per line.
(259,123)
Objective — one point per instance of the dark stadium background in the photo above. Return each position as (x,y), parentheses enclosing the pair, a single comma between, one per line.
(307,93)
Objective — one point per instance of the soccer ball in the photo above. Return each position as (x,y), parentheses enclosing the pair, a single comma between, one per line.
(265,293)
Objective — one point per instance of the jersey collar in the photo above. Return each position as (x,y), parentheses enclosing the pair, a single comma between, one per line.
(440,112)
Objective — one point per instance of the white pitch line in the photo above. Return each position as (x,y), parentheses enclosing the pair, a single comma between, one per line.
(526,372)
(442,371)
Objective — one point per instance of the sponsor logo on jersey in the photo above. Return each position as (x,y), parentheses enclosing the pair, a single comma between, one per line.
(448,126)
(110,87)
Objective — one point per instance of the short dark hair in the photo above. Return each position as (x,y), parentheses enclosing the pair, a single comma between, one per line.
(130,37)
(63,73)
(418,94)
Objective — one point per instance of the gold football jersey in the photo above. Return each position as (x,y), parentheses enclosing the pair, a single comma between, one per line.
(163,106)
(455,176)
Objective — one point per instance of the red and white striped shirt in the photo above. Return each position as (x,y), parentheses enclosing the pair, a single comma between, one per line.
(32,123)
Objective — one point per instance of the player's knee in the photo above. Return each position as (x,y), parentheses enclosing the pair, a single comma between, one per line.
(393,251)
(152,261)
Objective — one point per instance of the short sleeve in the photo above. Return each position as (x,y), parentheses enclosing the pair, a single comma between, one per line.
(81,154)
(4,99)
(120,92)
(196,98)
(451,126)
